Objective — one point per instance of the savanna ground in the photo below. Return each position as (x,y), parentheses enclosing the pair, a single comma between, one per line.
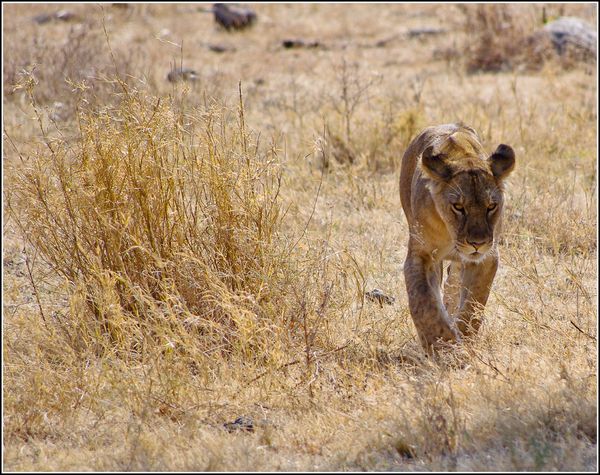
(173,261)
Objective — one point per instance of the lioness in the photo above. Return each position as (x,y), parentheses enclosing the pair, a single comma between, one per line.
(452,195)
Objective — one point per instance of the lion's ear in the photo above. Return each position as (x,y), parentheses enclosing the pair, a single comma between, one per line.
(502,161)
(436,166)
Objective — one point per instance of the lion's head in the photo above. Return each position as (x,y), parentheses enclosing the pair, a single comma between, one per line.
(467,189)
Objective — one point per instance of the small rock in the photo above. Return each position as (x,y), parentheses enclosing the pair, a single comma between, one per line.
(377,295)
(43,18)
(232,17)
(65,15)
(570,32)
(61,15)
(425,31)
(219,48)
(182,74)
(289,44)
(385,41)
(243,423)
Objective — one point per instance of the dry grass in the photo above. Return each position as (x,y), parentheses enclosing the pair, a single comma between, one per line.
(499,33)
(504,37)
(177,256)
(156,218)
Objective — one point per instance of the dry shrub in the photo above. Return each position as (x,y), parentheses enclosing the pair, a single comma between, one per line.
(331,149)
(386,139)
(352,88)
(496,33)
(378,141)
(166,227)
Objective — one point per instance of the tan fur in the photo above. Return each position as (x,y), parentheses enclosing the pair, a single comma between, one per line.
(445,166)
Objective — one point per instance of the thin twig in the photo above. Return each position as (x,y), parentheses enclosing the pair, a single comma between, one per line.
(489,364)
(35,289)
(13,145)
(264,373)
(585,333)
(311,213)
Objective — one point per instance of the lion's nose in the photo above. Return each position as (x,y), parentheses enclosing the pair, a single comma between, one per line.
(478,243)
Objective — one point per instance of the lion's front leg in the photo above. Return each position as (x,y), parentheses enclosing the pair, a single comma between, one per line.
(424,297)
(477,279)
(452,287)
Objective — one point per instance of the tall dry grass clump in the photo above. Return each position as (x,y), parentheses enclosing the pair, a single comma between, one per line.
(499,37)
(166,226)
(494,35)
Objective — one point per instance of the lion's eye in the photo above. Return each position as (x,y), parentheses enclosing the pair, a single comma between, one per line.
(492,206)
(458,207)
